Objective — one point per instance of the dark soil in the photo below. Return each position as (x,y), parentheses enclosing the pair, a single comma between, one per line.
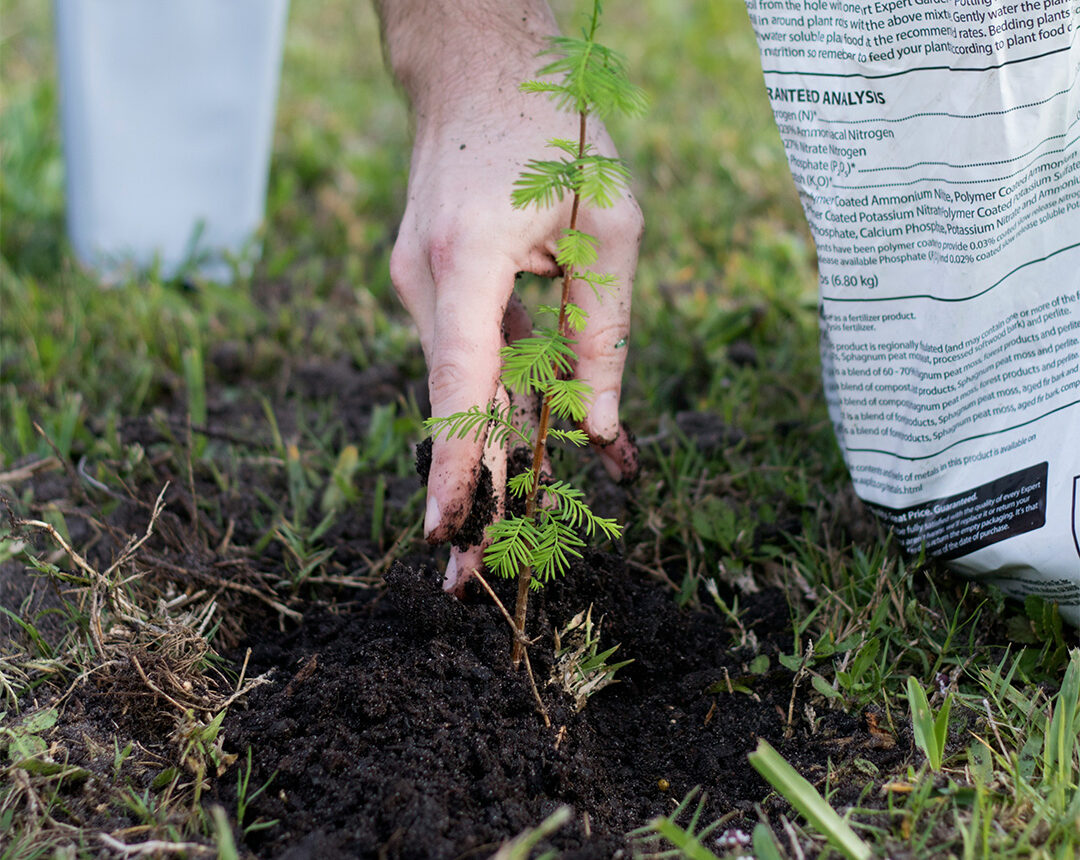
(396,728)
(393,725)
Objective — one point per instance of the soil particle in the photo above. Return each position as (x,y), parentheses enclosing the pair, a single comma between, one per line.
(409,736)
(481,513)
(471,532)
(423,459)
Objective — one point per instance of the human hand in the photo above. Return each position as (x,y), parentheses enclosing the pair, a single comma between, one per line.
(461,244)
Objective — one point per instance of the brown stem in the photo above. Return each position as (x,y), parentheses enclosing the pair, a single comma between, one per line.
(525,574)
(521,606)
(517,638)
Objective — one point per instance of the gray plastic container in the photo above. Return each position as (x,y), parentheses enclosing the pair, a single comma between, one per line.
(167,109)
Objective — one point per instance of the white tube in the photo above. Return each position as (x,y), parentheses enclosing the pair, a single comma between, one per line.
(167,109)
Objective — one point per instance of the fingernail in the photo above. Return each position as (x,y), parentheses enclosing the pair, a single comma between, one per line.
(612,466)
(451,577)
(604,417)
(432,518)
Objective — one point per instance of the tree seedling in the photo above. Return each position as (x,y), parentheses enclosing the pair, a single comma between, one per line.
(590,80)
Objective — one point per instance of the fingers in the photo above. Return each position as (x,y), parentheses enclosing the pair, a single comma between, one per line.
(460,568)
(471,292)
(410,274)
(466,559)
(602,346)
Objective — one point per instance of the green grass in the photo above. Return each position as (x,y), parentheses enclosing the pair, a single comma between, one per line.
(726,260)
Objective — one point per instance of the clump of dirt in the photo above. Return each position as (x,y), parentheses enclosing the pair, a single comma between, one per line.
(395,726)
(483,510)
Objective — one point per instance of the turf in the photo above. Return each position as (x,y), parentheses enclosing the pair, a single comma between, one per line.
(283,413)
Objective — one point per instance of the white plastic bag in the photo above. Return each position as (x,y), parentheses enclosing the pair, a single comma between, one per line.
(936,147)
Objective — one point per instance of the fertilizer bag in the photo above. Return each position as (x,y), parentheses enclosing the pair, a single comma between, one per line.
(934,144)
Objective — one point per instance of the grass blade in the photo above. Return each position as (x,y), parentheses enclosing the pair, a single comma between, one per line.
(765,845)
(1061,730)
(923,724)
(520,847)
(805,798)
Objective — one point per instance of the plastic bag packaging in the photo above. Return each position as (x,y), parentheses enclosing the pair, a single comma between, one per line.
(936,147)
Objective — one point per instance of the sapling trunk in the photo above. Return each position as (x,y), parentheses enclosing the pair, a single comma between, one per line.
(521,606)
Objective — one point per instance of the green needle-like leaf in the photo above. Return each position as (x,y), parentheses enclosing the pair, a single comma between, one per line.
(594,79)
(575,513)
(575,248)
(571,437)
(520,484)
(512,543)
(575,316)
(475,421)
(530,364)
(541,183)
(570,147)
(558,541)
(568,398)
(598,281)
(600,179)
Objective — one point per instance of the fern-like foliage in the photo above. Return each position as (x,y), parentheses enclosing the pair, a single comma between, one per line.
(570,437)
(547,544)
(570,147)
(593,79)
(541,183)
(570,502)
(575,248)
(599,179)
(531,364)
(476,421)
(511,547)
(599,281)
(558,541)
(521,484)
(568,398)
(575,315)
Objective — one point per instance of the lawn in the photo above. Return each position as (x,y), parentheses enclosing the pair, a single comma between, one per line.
(220,631)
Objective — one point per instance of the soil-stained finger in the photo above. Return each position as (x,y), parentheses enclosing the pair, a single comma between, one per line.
(463,373)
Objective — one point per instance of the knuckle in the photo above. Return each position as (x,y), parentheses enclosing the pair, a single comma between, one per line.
(471,231)
(403,269)
(455,241)
(601,341)
(625,221)
(449,381)
(444,253)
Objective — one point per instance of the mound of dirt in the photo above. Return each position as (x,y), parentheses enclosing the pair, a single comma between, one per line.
(396,728)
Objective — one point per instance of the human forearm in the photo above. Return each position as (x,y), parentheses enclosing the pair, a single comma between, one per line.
(445,52)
